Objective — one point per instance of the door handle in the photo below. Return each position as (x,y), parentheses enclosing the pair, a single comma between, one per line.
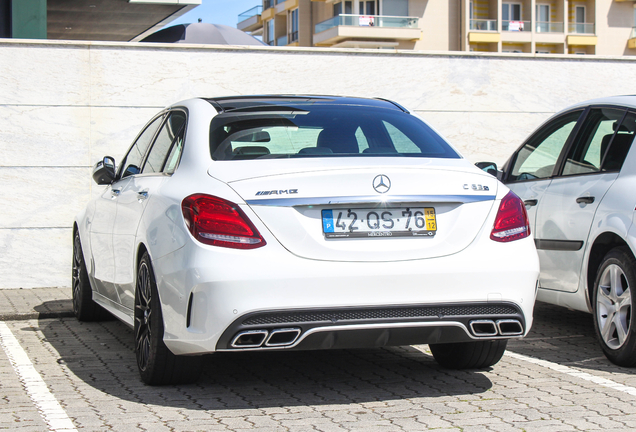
(142,195)
(531,202)
(114,193)
(585,200)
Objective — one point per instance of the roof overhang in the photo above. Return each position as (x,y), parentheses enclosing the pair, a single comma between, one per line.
(111,20)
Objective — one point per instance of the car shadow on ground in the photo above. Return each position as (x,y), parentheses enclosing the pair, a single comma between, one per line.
(101,354)
(566,337)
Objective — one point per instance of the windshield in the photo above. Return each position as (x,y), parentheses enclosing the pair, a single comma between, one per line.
(323,131)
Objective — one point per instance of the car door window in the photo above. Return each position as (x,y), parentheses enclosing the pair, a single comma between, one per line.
(597,132)
(166,139)
(132,162)
(615,152)
(538,157)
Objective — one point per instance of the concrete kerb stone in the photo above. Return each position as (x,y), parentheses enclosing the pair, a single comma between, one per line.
(35,303)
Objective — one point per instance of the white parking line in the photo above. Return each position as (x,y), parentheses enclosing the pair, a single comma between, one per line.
(50,409)
(575,373)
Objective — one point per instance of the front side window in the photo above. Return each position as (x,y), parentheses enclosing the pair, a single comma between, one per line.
(323,131)
(538,157)
(168,134)
(131,164)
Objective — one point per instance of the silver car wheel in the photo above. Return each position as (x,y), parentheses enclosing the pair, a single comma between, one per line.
(613,306)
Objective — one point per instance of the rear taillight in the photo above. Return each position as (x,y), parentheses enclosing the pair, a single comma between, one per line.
(511,222)
(218,222)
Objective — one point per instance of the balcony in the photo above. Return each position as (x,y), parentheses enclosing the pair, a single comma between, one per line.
(516,26)
(250,20)
(483,25)
(483,31)
(366,27)
(581,28)
(281,41)
(549,27)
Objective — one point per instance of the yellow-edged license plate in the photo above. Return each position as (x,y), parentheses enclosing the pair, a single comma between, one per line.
(385,222)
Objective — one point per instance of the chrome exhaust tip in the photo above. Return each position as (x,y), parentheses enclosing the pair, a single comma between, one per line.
(249,339)
(509,327)
(483,328)
(282,337)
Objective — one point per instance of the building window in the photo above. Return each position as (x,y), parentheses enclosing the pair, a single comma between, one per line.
(367,7)
(579,19)
(511,12)
(343,7)
(293,26)
(543,18)
(470,11)
(269,33)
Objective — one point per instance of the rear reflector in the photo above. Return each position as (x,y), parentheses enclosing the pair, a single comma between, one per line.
(218,222)
(511,222)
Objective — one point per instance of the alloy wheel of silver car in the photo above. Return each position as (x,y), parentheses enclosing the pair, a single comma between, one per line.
(613,305)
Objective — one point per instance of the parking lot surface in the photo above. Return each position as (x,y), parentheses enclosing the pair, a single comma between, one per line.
(61,375)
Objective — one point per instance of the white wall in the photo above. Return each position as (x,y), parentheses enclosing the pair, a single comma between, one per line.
(65,105)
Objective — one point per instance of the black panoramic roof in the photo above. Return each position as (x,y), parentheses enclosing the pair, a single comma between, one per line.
(240,103)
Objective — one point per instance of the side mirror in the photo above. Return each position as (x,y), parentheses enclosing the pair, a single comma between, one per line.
(104,171)
(489,167)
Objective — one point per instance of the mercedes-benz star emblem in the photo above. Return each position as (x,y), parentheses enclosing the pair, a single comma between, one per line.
(381,183)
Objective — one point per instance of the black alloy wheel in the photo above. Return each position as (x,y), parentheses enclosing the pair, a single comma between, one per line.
(157,364)
(84,308)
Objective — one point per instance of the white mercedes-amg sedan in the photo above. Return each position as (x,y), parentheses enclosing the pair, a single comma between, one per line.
(300,223)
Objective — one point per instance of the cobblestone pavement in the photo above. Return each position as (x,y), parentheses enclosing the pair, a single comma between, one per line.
(89,369)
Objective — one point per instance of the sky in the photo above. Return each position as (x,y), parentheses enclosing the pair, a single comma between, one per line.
(217,12)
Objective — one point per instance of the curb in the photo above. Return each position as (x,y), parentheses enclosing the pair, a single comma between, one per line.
(35,315)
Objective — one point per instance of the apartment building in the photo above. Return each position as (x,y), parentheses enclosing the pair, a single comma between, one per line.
(597,27)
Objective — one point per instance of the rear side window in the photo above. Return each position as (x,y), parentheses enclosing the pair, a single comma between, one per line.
(169,136)
(597,132)
(323,131)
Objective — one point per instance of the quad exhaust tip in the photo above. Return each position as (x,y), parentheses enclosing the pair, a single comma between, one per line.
(503,327)
(282,337)
(483,327)
(259,338)
(249,339)
(509,327)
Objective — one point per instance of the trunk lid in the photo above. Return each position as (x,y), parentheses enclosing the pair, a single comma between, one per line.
(377,210)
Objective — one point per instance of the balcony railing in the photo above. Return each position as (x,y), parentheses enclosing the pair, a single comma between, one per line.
(549,27)
(367,21)
(515,26)
(256,10)
(484,25)
(281,41)
(583,28)
(292,37)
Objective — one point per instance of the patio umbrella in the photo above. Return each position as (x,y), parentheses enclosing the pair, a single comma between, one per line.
(203,33)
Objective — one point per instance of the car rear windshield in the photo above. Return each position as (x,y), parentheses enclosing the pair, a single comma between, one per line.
(323,131)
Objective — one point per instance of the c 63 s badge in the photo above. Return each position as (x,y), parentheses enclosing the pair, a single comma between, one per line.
(476,187)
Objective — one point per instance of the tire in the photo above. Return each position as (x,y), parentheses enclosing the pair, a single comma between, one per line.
(84,308)
(469,355)
(157,364)
(613,305)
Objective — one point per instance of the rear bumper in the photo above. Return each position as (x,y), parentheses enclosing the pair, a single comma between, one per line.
(372,327)
(210,295)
